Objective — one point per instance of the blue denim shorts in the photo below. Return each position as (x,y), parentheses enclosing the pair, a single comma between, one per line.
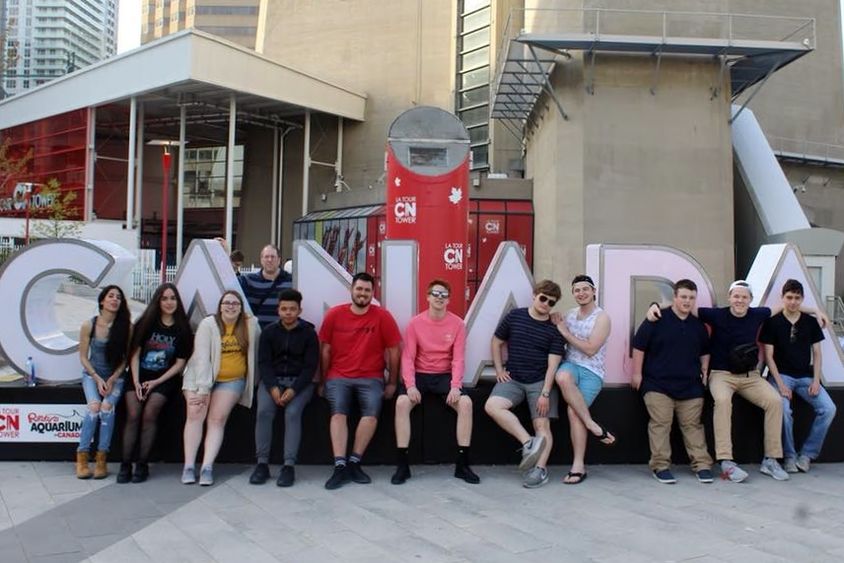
(92,394)
(237,386)
(368,390)
(587,382)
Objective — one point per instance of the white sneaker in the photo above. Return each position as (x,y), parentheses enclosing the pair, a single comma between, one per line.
(730,471)
(206,477)
(531,452)
(771,467)
(188,476)
(790,465)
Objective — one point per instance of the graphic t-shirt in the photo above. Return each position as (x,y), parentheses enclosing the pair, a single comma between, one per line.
(232,357)
(159,352)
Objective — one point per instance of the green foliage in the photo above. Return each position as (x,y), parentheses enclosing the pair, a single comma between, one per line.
(58,222)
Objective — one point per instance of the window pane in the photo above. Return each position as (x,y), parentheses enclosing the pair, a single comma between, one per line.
(472,5)
(475,77)
(476,20)
(474,97)
(480,157)
(475,116)
(479,134)
(475,39)
(475,58)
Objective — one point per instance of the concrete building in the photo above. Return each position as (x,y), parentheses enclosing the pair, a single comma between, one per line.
(45,39)
(235,20)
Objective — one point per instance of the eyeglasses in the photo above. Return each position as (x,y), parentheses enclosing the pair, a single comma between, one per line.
(439,294)
(792,335)
(230,303)
(546,299)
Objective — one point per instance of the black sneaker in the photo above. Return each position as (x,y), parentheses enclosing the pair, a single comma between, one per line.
(356,474)
(260,474)
(339,478)
(141,473)
(125,473)
(401,475)
(286,476)
(465,472)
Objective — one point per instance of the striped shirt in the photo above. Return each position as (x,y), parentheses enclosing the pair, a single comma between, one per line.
(529,342)
(262,294)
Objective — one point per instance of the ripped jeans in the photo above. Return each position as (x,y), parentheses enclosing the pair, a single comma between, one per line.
(105,417)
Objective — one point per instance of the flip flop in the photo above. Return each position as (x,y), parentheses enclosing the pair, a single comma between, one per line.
(580,477)
(605,436)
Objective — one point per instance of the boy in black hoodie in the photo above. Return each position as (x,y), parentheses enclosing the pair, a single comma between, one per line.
(288,356)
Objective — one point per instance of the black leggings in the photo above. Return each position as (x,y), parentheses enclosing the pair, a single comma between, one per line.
(143,415)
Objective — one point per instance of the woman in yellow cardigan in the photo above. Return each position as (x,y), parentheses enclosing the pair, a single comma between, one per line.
(219,374)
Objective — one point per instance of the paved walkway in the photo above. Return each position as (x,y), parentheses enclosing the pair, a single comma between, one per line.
(619,514)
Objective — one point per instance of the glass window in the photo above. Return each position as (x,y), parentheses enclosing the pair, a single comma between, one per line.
(480,157)
(475,59)
(475,39)
(476,20)
(475,116)
(479,134)
(474,96)
(477,77)
(472,5)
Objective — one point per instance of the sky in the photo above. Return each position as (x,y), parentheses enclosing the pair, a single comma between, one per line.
(128,25)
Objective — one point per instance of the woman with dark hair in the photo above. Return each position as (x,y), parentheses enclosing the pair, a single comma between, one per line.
(103,347)
(161,343)
(219,374)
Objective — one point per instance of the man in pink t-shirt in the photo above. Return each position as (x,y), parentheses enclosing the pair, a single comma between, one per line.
(358,340)
(432,362)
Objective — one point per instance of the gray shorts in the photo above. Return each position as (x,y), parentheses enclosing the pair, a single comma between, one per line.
(516,392)
(368,390)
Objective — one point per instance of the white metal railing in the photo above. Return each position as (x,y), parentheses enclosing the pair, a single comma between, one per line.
(835,311)
(807,150)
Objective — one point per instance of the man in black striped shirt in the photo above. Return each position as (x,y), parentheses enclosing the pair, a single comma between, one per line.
(534,350)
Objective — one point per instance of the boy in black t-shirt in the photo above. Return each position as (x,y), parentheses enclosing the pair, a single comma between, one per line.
(792,341)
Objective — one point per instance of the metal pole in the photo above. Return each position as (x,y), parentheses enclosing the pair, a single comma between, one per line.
(306,162)
(139,175)
(281,184)
(274,204)
(165,196)
(230,169)
(90,163)
(180,195)
(339,162)
(130,167)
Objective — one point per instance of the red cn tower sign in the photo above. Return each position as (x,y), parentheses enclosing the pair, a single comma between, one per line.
(427,196)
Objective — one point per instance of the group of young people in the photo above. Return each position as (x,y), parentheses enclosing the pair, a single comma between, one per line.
(282,359)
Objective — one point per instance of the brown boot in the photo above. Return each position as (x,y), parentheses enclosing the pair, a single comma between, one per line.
(82,471)
(101,465)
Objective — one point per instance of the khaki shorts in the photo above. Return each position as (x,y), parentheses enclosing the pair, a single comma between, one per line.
(516,392)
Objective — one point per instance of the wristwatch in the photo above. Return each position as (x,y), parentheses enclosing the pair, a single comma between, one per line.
(546,394)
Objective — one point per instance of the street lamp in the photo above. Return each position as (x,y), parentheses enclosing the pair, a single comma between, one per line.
(165,196)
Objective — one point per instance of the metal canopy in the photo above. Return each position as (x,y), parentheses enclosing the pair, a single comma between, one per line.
(535,41)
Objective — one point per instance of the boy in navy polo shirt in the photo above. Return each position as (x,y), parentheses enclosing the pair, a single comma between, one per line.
(670,362)
(793,353)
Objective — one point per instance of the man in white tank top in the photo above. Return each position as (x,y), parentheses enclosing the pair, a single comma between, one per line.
(585,328)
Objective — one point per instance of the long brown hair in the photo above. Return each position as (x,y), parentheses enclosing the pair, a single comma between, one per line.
(241,330)
(152,316)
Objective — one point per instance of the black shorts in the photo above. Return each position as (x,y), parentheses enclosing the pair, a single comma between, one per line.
(433,383)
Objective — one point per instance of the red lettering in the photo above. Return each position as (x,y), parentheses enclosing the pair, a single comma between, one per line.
(9,422)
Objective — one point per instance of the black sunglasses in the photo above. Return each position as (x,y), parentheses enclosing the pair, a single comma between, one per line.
(545,298)
(438,294)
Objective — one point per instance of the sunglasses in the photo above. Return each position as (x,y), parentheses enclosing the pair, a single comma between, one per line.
(546,299)
(438,294)
(230,303)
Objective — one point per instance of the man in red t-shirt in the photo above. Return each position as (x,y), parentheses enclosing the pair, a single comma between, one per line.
(358,340)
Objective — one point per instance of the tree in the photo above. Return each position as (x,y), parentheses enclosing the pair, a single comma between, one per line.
(58,222)
(11,166)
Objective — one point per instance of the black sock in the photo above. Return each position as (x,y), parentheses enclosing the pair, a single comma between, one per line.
(339,461)
(463,455)
(355,458)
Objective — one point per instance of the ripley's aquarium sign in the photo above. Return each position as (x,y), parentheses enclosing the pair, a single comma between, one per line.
(30,279)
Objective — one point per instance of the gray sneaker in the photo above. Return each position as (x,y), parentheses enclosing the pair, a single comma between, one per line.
(790,465)
(732,472)
(803,463)
(531,452)
(188,476)
(206,476)
(535,477)
(771,467)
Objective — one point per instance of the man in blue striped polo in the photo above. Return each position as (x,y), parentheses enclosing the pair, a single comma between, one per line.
(262,288)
